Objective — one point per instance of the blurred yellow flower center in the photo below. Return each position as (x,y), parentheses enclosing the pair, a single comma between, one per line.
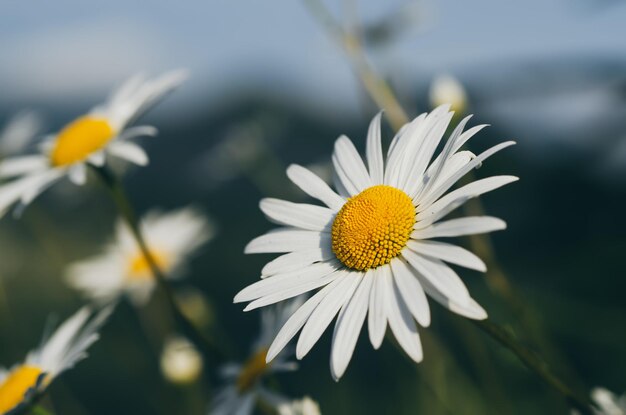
(373,227)
(252,370)
(15,386)
(139,268)
(79,139)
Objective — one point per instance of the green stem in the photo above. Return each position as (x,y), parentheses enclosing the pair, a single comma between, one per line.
(118,194)
(533,362)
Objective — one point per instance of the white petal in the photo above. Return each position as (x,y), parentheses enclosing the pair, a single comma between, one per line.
(31,185)
(449,253)
(296,260)
(348,327)
(397,149)
(402,323)
(440,189)
(339,187)
(441,276)
(411,291)
(315,187)
(470,310)
(374,151)
(457,197)
(78,174)
(279,282)
(17,166)
(297,320)
(300,215)
(287,240)
(129,151)
(326,310)
(377,316)
(421,182)
(138,131)
(470,225)
(349,166)
(97,159)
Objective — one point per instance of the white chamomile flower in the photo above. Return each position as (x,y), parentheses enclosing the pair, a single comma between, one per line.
(122,268)
(87,140)
(243,382)
(370,247)
(66,347)
(18,133)
(304,406)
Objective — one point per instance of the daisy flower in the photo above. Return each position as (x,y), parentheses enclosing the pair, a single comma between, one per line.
(370,248)
(123,269)
(87,140)
(243,382)
(66,347)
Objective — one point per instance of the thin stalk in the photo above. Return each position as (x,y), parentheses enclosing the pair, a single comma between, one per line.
(118,194)
(533,362)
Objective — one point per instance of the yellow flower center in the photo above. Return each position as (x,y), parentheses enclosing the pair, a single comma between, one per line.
(252,371)
(139,268)
(372,227)
(79,139)
(15,386)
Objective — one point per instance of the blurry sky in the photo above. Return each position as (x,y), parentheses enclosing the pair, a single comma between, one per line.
(72,48)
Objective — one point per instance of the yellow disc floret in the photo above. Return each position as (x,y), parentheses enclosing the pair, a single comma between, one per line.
(373,227)
(79,139)
(139,268)
(252,371)
(17,383)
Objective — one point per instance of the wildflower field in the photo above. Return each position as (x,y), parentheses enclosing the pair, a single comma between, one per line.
(313,207)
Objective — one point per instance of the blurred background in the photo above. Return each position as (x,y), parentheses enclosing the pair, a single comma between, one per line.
(270,86)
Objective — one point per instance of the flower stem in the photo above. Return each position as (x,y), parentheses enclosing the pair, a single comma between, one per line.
(533,362)
(118,194)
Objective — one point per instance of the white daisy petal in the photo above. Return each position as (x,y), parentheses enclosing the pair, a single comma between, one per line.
(471,309)
(138,131)
(449,253)
(300,215)
(470,225)
(374,152)
(78,174)
(440,189)
(296,260)
(17,166)
(286,240)
(129,151)
(326,311)
(339,187)
(457,197)
(31,186)
(349,325)
(401,322)
(463,138)
(270,285)
(397,149)
(97,159)
(315,187)
(411,291)
(297,320)
(377,316)
(292,291)
(419,182)
(441,276)
(349,166)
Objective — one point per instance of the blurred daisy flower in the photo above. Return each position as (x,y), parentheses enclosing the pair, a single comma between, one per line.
(87,139)
(66,347)
(446,89)
(181,362)
(304,406)
(18,133)
(370,247)
(243,382)
(122,268)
